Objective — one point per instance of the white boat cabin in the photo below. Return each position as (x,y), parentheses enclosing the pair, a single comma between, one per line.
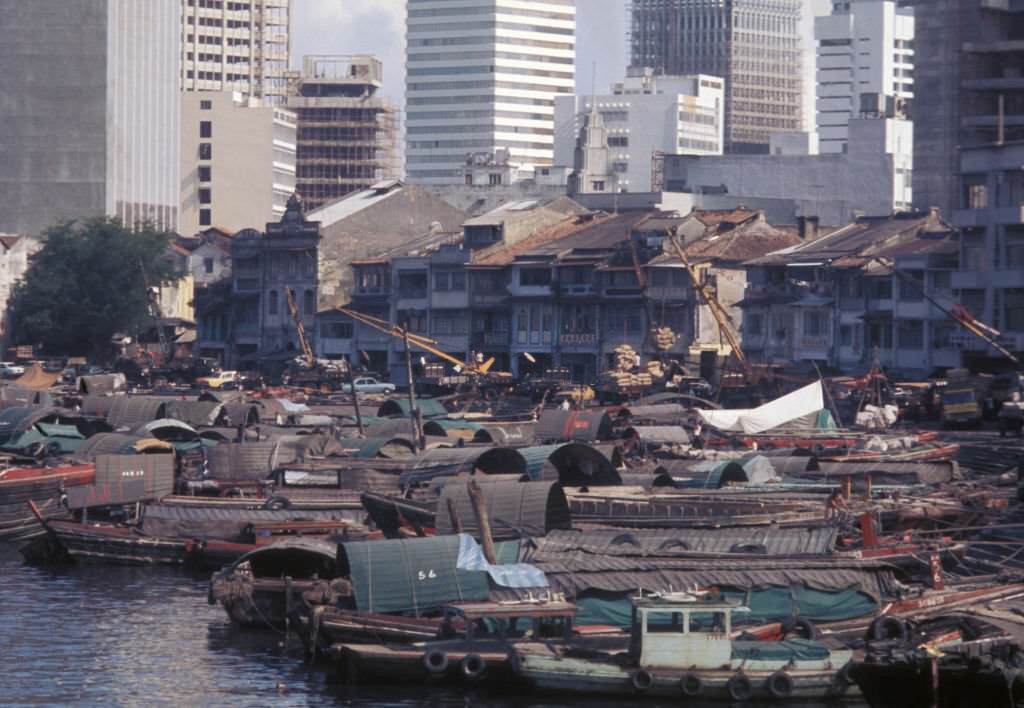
(683,631)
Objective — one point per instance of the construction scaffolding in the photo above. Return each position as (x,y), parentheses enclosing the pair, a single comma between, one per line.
(348,136)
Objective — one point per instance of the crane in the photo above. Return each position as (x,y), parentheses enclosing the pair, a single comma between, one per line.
(293,309)
(725,324)
(958,313)
(429,345)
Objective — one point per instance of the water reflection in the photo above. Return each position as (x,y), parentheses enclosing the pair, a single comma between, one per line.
(147,637)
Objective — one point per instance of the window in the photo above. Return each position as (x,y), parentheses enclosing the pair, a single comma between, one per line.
(206,129)
(942,280)
(440,281)
(881,289)
(338,330)
(494,179)
(309,302)
(618,141)
(597,185)
(204,217)
(880,335)
(459,280)
(204,105)
(753,324)
(205,151)
(912,286)
(814,324)
(534,276)
(911,334)
(659,277)
(846,335)
(977,196)
(205,195)
(205,173)
(208,265)
(272,303)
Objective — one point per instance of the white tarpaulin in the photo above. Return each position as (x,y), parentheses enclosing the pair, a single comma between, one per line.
(804,401)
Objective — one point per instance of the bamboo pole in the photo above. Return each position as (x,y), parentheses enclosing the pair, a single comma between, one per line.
(476,496)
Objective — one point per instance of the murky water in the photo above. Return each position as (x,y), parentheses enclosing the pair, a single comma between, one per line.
(115,636)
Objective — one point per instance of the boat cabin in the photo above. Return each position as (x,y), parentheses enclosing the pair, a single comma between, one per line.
(683,630)
(510,620)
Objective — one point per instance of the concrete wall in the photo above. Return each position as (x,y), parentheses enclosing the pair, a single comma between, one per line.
(89,104)
(243,167)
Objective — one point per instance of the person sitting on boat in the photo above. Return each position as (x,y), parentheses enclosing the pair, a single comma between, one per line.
(836,506)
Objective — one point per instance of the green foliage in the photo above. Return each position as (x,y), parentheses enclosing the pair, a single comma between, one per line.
(86,284)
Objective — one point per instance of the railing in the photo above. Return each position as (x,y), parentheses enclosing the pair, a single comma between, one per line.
(577,339)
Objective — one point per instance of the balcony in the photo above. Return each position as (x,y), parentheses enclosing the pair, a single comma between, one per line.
(247,284)
(975,218)
(490,339)
(576,289)
(578,339)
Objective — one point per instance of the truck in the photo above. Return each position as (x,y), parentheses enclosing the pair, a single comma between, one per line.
(963,399)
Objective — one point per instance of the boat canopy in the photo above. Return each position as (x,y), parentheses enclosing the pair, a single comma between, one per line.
(804,401)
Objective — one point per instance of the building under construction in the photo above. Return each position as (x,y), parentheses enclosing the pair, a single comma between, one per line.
(753,44)
(347,134)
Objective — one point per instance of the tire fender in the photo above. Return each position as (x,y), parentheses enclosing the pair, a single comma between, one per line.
(435,661)
(642,680)
(780,685)
(692,685)
(473,666)
(739,687)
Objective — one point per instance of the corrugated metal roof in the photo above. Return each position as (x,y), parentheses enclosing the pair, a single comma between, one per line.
(429,408)
(389,447)
(196,413)
(132,411)
(409,575)
(796,541)
(664,413)
(242,461)
(221,523)
(115,444)
(388,427)
(556,425)
(897,472)
(515,509)
(506,434)
(661,434)
(242,413)
(578,465)
(125,479)
(791,466)
(442,462)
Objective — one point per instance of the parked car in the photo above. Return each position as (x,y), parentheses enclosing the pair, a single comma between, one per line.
(10,370)
(220,380)
(368,384)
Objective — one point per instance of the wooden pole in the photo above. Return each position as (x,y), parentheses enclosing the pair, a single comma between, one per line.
(355,401)
(847,486)
(417,426)
(454,516)
(476,496)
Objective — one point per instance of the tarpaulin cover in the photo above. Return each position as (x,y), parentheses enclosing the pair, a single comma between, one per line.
(789,650)
(510,575)
(804,401)
(766,605)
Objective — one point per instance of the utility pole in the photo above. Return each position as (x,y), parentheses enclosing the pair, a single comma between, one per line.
(414,411)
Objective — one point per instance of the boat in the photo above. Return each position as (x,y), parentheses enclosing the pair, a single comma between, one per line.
(41,485)
(681,647)
(473,643)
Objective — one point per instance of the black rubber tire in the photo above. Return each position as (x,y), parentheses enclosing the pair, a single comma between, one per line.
(435,661)
(888,627)
(800,627)
(691,685)
(642,680)
(473,667)
(780,685)
(277,503)
(739,687)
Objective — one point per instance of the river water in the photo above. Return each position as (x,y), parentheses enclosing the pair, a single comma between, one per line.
(119,636)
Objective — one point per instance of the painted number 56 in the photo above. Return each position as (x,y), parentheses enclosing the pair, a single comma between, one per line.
(427,574)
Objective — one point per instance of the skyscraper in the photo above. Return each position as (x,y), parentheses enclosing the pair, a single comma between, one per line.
(865,65)
(753,44)
(483,75)
(90,103)
(236,46)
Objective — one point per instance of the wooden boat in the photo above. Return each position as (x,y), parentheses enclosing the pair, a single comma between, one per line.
(263,587)
(322,626)
(41,485)
(680,647)
(473,643)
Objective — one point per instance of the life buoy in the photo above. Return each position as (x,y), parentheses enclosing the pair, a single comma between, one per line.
(739,687)
(691,685)
(473,667)
(888,627)
(642,680)
(780,685)
(800,627)
(435,661)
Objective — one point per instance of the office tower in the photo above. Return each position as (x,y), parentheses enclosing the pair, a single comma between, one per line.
(347,133)
(482,76)
(753,45)
(236,46)
(865,65)
(90,103)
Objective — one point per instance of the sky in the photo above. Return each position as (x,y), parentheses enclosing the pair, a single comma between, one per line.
(378,27)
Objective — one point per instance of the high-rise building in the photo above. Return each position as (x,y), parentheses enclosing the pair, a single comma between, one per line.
(645,115)
(236,46)
(348,134)
(238,161)
(969,156)
(865,65)
(90,105)
(753,44)
(482,76)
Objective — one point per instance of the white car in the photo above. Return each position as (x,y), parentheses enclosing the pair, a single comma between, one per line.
(8,369)
(368,384)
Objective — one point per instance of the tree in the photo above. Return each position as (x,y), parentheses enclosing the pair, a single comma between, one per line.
(86,284)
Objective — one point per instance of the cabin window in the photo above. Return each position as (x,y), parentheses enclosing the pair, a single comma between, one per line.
(665,622)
